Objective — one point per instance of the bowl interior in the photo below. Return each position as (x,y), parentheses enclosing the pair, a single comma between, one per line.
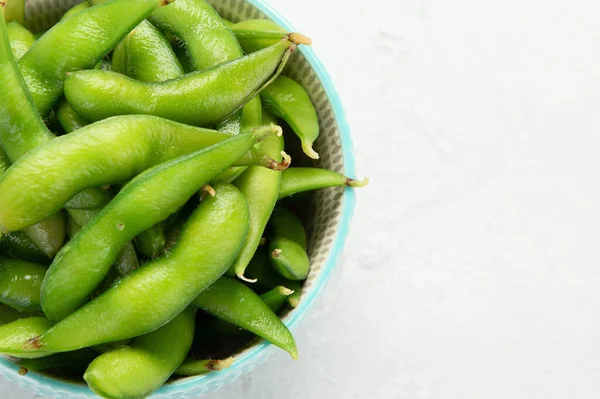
(327,212)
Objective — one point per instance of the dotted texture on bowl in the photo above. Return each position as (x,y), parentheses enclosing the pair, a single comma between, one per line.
(325,213)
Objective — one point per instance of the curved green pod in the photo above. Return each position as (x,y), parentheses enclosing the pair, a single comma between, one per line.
(209,42)
(261,188)
(76,9)
(200,98)
(14,336)
(107,152)
(267,279)
(20,283)
(231,301)
(276,298)
(284,223)
(127,260)
(256,34)
(84,262)
(69,119)
(287,99)
(75,362)
(197,261)
(89,199)
(21,130)
(298,180)
(18,245)
(20,39)
(15,11)
(146,55)
(289,258)
(8,314)
(146,363)
(151,243)
(84,39)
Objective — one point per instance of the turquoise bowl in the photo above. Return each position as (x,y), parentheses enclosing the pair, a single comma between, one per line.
(328,225)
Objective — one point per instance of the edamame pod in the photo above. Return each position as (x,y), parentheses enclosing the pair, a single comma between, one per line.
(197,367)
(20,39)
(20,283)
(15,10)
(76,361)
(146,55)
(68,118)
(200,98)
(261,187)
(106,152)
(284,223)
(154,294)
(84,39)
(22,129)
(82,264)
(47,234)
(14,335)
(298,180)
(89,199)
(289,259)
(256,34)
(151,243)
(287,99)
(145,364)
(209,41)
(18,245)
(127,260)
(76,9)
(266,278)
(8,314)
(231,301)
(276,298)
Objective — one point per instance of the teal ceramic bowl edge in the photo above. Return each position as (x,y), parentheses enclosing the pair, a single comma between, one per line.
(247,361)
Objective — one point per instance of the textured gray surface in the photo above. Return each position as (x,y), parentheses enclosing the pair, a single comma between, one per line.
(471,271)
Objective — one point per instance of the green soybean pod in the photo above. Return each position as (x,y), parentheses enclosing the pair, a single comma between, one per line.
(14,336)
(261,188)
(146,55)
(127,260)
(18,245)
(68,118)
(276,298)
(76,9)
(89,199)
(15,10)
(151,243)
(84,39)
(209,41)
(197,261)
(73,362)
(20,283)
(22,129)
(8,314)
(231,301)
(266,278)
(256,34)
(289,259)
(191,366)
(200,98)
(298,180)
(145,364)
(84,262)
(20,39)
(106,152)
(284,223)
(287,99)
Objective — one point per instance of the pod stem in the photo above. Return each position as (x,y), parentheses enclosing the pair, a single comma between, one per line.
(206,189)
(278,166)
(308,149)
(220,365)
(357,183)
(246,279)
(262,132)
(285,291)
(33,343)
(299,38)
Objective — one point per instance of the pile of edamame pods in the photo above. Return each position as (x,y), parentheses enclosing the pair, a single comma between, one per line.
(142,166)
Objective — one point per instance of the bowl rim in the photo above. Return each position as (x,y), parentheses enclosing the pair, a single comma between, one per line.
(32,380)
